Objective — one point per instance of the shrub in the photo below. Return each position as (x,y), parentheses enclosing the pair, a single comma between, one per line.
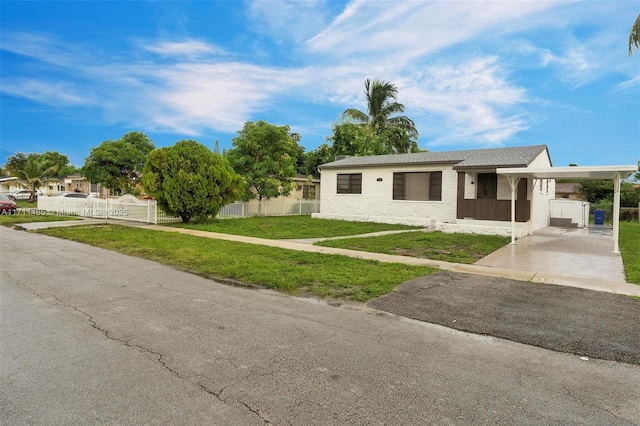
(188,180)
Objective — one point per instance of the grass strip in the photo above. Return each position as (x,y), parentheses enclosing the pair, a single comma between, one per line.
(22,216)
(290,227)
(630,248)
(458,248)
(290,271)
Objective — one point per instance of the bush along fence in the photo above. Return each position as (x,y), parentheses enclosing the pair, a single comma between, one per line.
(128,207)
(628,214)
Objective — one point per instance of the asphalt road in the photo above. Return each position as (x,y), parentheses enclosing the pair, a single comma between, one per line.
(93,337)
(566,319)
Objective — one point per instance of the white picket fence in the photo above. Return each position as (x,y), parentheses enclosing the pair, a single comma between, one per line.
(131,208)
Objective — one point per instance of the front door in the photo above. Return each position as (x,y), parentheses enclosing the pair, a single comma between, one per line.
(487,186)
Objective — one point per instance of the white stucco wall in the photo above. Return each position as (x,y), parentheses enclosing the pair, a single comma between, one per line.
(541,200)
(484,227)
(376,203)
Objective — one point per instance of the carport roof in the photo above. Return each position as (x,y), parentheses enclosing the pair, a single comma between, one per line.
(572,172)
(616,173)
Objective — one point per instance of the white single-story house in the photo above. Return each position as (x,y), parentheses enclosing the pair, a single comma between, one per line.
(9,184)
(500,191)
(454,191)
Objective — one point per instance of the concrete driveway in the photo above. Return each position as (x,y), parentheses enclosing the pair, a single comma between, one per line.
(90,336)
(563,252)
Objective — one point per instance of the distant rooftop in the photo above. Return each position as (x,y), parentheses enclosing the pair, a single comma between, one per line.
(520,156)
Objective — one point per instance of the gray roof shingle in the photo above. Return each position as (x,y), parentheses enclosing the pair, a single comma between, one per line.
(520,156)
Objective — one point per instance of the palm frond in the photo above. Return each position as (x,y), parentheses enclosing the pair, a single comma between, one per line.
(355,115)
(634,36)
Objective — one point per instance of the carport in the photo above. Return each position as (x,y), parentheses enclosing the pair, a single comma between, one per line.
(616,173)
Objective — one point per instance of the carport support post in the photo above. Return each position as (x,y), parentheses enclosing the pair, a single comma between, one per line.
(616,212)
(513,183)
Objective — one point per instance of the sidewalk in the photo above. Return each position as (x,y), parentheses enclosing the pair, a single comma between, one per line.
(304,245)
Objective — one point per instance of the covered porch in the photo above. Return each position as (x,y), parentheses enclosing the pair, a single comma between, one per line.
(490,207)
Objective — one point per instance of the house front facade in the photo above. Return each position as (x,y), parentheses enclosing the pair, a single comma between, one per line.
(454,191)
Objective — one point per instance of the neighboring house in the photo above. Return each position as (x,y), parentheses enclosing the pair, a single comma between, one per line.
(455,191)
(305,188)
(9,184)
(568,191)
(79,183)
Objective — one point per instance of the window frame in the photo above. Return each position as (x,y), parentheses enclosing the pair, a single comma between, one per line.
(353,184)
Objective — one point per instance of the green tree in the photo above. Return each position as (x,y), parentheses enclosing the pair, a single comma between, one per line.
(382,104)
(32,171)
(265,156)
(599,191)
(356,139)
(634,36)
(54,158)
(118,164)
(17,162)
(321,155)
(190,181)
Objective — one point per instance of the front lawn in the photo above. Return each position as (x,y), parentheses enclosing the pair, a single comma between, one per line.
(458,248)
(294,272)
(630,249)
(289,227)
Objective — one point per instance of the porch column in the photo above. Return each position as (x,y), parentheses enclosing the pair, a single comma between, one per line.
(616,212)
(513,183)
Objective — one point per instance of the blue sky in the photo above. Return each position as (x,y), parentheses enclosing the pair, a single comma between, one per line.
(471,74)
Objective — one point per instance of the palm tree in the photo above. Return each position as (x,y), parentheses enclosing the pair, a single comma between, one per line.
(381,105)
(634,36)
(35,173)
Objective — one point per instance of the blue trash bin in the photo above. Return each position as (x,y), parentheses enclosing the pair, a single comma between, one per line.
(598,217)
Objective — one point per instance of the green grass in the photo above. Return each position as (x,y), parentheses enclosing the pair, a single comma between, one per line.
(630,249)
(25,204)
(27,216)
(458,248)
(289,227)
(294,272)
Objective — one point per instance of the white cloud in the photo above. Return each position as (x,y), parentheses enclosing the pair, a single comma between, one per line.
(626,88)
(468,103)
(46,92)
(291,21)
(221,96)
(187,48)
(409,30)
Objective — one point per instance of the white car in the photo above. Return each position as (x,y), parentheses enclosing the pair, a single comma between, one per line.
(23,194)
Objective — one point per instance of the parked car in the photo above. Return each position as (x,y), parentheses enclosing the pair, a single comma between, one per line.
(7,205)
(23,194)
(73,195)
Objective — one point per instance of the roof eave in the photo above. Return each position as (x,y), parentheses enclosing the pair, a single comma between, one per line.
(399,164)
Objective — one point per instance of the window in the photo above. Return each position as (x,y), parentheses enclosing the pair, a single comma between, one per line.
(350,183)
(417,186)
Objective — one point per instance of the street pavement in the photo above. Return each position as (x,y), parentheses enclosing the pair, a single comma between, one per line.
(90,336)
